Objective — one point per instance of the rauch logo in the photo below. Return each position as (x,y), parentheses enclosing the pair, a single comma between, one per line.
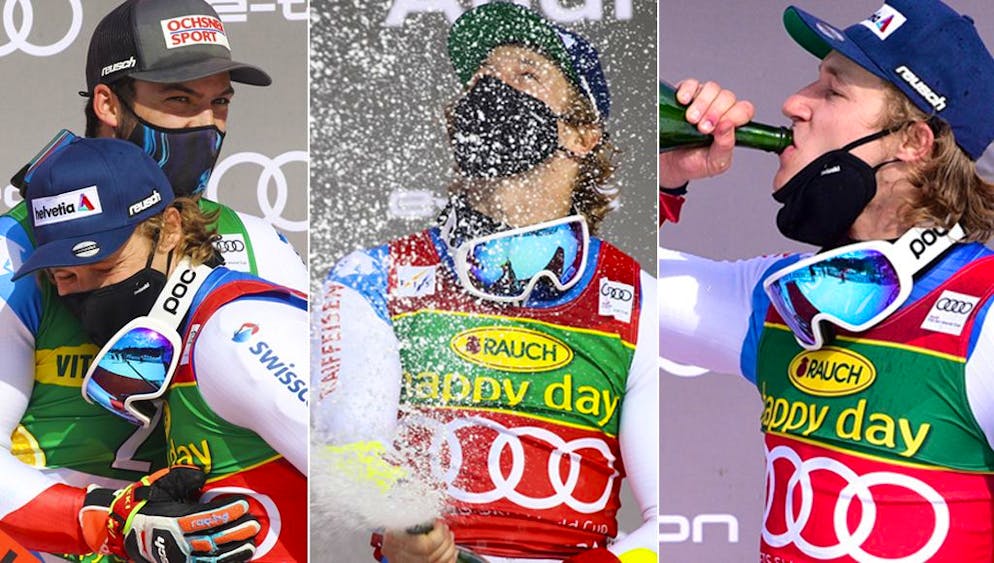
(511,349)
(831,372)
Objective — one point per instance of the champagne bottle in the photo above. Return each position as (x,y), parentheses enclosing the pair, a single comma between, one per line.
(675,132)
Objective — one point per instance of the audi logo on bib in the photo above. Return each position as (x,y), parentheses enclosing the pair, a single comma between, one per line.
(18,35)
(484,461)
(954,306)
(229,245)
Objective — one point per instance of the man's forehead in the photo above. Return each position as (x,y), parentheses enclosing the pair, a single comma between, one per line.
(839,66)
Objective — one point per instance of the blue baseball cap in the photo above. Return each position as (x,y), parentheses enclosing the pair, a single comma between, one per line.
(480,30)
(87,198)
(931,53)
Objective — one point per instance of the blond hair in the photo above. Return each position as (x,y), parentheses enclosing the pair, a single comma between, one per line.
(199,230)
(949,189)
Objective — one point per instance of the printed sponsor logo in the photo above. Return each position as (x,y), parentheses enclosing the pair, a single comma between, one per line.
(193,30)
(950,312)
(144,204)
(86,249)
(179,290)
(934,99)
(18,30)
(415,281)
(120,65)
(245,332)
(616,300)
(69,206)
(271,360)
(677,528)
(829,31)
(272,182)
(234,250)
(884,21)
(184,358)
(928,237)
(511,349)
(831,372)
(160,547)
(191,453)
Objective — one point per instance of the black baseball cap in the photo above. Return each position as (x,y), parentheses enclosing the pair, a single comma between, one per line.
(163,41)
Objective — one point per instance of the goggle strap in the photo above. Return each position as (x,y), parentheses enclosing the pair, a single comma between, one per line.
(920,246)
(176,298)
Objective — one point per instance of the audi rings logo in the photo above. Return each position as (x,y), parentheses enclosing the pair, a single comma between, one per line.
(510,442)
(953,306)
(272,175)
(857,488)
(18,35)
(615,292)
(229,245)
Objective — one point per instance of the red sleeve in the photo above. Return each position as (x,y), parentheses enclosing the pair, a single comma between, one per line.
(669,207)
(50,522)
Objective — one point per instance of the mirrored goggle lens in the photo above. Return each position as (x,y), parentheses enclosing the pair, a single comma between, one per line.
(854,288)
(135,366)
(506,265)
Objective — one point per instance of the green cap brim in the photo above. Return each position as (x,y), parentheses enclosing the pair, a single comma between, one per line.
(480,30)
(804,35)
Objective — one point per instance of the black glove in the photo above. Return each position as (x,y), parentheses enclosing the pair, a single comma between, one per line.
(158,520)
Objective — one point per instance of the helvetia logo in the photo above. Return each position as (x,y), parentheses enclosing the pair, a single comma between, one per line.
(245,332)
(72,205)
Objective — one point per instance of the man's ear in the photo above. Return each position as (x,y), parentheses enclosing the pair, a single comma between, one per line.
(107,106)
(580,138)
(917,141)
(172,230)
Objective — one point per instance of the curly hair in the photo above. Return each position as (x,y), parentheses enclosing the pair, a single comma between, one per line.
(949,189)
(199,231)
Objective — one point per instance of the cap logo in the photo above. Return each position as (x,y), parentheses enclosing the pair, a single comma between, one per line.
(144,204)
(120,65)
(86,249)
(830,31)
(935,100)
(69,206)
(884,21)
(185,31)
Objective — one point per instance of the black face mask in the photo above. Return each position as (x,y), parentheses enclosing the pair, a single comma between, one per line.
(498,131)
(821,202)
(186,155)
(104,311)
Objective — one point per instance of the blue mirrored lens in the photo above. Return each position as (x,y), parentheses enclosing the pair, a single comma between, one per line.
(853,287)
(136,364)
(513,261)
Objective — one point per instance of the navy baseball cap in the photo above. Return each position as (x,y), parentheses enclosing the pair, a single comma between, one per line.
(87,198)
(480,30)
(931,53)
(163,41)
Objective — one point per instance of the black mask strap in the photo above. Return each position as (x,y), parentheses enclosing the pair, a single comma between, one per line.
(873,137)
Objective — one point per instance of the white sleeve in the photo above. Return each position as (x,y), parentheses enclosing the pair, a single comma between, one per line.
(639,430)
(19,304)
(705,307)
(275,258)
(360,375)
(261,384)
(980,378)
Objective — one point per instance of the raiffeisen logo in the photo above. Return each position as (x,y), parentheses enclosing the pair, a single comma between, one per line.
(244,332)
(511,349)
(831,372)
(270,359)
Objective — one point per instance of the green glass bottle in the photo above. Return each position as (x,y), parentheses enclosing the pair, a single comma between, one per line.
(675,132)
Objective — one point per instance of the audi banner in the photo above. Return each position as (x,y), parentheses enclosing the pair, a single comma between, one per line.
(262,169)
(712,468)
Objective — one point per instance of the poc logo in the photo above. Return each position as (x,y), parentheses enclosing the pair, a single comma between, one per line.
(926,239)
(179,290)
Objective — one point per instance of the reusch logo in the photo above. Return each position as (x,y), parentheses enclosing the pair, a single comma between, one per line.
(831,372)
(66,207)
(511,349)
(120,65)
(144,204)
(270,359)
(931,96)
